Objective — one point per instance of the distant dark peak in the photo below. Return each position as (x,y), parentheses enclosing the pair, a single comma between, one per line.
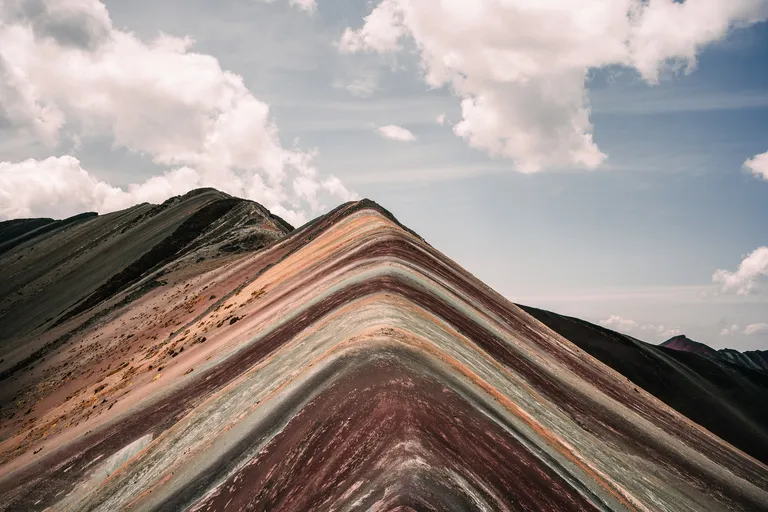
(685,344)
(680,339)
(756,359)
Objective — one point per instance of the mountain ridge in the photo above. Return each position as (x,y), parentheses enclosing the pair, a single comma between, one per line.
(344,364)
(123,247)
(753,359)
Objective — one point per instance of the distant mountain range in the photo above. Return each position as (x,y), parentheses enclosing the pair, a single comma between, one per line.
(754,359)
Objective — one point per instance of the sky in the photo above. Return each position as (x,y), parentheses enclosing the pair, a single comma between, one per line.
(606,160)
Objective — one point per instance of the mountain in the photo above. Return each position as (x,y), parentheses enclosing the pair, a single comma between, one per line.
(220,359)
(57,270)
(685,344)
(728,400)
(754,359)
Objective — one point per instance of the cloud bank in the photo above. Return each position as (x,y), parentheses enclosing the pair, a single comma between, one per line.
(66,72)
(520,68)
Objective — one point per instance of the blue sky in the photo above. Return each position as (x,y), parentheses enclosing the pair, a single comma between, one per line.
(638,237)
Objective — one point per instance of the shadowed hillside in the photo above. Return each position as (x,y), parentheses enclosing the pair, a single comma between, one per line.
(728,399)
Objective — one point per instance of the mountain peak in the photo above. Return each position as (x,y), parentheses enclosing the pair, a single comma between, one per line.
(683,343)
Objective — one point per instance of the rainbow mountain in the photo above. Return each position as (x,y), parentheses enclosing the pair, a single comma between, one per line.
(204,355)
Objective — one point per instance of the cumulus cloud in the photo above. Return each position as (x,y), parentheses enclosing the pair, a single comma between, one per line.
(395,132)
(731,330)
(64,68)
(758,165)
(334,186)
(440,119)
(381,30)
(746,278)
(661,331)
(59,186)
(627,326)
(750,330)
(619,324)
(520,67)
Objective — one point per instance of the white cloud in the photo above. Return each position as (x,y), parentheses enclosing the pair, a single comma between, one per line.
(441,120)
(59,186)
(753,329)
(661,331)
(519,67)
(747,276)
(335,187)
(360,87)
(398,133)
(750,330)
(65,69)
(619,324)
(381,31)
(627,326)
(758,165)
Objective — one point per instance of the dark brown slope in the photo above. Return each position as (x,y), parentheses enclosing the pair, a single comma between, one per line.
(729,400)
(17,231)
(64,268)
(11,229)
(755,359)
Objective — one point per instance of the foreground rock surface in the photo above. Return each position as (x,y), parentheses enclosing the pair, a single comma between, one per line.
(346,365)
